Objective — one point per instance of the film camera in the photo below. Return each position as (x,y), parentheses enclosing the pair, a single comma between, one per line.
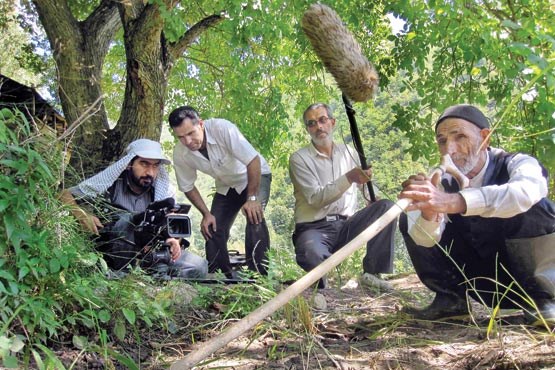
(161,220)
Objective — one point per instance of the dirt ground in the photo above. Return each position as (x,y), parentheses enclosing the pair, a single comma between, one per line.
(351,328)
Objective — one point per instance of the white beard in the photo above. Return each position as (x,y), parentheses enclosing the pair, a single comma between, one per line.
(469,164)
(323,141)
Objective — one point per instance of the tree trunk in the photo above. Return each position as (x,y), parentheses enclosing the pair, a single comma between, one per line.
(146,69)
(149,62)
(79,50)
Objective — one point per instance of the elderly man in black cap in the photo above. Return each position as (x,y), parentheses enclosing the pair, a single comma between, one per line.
(494,240)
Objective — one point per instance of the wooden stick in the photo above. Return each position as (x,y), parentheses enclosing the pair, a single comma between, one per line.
(212,345)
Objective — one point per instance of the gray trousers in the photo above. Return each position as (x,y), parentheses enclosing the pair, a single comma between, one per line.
(316,241)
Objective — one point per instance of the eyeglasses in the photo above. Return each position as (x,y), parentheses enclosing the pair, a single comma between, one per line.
(322,120)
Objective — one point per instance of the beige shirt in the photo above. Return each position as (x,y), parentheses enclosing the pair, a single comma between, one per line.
(320,185)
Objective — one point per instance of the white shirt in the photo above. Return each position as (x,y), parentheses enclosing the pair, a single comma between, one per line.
(320,185)
(526,187)
(229,154)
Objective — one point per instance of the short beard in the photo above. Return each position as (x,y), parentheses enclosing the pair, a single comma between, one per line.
(322,142)
(470,163)
(137,181)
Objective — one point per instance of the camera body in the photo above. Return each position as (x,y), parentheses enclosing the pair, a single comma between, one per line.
(161,220)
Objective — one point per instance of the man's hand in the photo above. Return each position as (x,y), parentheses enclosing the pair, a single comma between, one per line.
(359,176)
(175,248)
(253,210)
(208,225)
(89,222)
(429,199)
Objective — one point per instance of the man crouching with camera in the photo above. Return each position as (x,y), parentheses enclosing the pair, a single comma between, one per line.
(116,200)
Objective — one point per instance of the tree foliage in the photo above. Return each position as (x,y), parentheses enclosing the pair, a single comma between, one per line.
(497,55)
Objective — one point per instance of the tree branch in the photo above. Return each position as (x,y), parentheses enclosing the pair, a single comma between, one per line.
(176,49)
(102,23)
(59,24)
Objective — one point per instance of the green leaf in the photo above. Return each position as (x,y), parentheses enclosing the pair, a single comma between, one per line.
(6,275)
(129,315)
(38,359)
(104,316)
(10,226)
(119,330)
(126,360)
(510,24)
(4,344)
(10,362)
(17,344)
(23,271)
(79,341)
(54,265)
(14,287)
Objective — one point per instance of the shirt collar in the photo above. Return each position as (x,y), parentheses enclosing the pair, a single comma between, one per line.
(207,134)
(312,149)
(477,180)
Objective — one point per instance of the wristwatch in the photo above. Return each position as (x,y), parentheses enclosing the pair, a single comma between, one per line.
(253,198)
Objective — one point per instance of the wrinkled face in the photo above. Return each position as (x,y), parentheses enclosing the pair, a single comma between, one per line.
(144,171)
(189,134)
(319,126)
(463,140)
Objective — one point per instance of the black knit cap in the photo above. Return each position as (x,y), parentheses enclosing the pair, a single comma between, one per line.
(467,112)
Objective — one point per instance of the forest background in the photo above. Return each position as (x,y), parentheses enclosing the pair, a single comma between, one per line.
(116,69)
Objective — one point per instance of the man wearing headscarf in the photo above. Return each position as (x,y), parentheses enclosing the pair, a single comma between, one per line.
(125,188)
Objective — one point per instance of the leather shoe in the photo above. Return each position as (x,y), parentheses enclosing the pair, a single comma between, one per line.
(444,306)
(544,315)
(375,283)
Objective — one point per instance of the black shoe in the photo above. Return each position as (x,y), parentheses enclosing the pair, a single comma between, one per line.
(544,315)
(444,306)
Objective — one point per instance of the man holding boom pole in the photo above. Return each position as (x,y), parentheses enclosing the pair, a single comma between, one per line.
(494,240)
(325,176)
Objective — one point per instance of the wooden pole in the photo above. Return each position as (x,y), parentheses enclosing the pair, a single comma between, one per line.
(209,347)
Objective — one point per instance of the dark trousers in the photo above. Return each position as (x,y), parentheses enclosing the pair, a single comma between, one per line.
(316,241)
(257,238)
(456,269)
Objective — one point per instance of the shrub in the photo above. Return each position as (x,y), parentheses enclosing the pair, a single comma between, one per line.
(52,281)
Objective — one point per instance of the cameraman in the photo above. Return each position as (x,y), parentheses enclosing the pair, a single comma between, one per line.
(128,186)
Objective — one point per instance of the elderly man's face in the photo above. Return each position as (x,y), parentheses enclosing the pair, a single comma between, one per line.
(144,171)
(463,140)
(320,126)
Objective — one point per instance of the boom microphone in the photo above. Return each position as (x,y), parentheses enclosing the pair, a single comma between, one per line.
(342,57)
(340,53)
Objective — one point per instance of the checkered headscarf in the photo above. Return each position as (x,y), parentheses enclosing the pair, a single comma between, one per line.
(100,182)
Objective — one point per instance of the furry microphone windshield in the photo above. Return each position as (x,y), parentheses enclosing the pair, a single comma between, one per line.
(340,53)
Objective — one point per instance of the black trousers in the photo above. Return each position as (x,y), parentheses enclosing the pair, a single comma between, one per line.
(506,277)
(257,238)
(316,241)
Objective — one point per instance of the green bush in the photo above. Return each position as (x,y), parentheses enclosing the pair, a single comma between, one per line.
(52,282)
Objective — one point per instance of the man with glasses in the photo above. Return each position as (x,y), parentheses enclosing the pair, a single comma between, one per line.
(217,148)
(325,177)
